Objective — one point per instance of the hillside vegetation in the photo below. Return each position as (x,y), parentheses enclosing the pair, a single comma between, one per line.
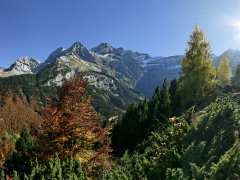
(188,129)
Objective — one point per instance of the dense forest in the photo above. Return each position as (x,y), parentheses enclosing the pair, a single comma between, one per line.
(188,129)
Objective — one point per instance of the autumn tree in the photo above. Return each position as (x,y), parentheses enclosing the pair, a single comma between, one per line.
(71,127)
(224,72)
(198,74)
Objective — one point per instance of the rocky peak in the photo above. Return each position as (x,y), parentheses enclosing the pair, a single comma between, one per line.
(103,48)
(54,55)
(24,65)
(79,50)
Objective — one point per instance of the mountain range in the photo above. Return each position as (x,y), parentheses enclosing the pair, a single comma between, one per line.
(116,76)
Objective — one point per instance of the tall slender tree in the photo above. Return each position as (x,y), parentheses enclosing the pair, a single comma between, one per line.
(175,97)
(236,78)
(198,74)
(224,72)
(165,103)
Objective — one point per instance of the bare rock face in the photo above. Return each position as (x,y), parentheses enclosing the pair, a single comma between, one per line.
(24,65)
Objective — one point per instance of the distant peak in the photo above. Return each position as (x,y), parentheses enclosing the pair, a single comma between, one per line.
(232,50)
(27,59)
(103,48)
(76,47)
(77,44)
(24,65)
(55,54)
(105,44)
(79,50)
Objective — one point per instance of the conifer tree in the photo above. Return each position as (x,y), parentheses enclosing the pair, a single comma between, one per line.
(175,97)
(25,142)
(154,111)
(20,159)
(224,72)
(165,104)
(198,74)
(236,79)
(2,175)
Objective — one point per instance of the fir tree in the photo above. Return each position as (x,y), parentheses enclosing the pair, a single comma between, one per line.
(20,160)
(236,79)
(224,72)
(198,74)
(165,104)
(175,97)
(2,175)
(25,142)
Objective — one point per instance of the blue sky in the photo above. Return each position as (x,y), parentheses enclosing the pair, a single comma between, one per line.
(158,27)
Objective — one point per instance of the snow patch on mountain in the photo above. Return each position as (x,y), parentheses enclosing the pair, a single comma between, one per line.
(24,65)
(101,82)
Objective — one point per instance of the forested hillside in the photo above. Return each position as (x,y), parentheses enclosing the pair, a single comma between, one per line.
(188,129)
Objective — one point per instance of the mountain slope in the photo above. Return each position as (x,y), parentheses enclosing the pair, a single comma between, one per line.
(115,67)
(24,65)
(234,58)
(156,70)
(109,86)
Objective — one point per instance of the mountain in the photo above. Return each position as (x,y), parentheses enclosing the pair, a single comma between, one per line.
(156,70)
(126,63)
(24,65)
(233,56)
(111,75)
(115,75)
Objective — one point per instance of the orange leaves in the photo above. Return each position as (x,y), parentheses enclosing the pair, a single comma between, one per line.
(72,126)
(16,114)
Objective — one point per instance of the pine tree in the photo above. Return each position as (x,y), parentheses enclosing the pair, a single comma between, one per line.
(25,142)
(16,176)
(175,97)
(2,175)
(198,74)
(236,79)
(154,110)
(224,72)
(20,160)
(164,102)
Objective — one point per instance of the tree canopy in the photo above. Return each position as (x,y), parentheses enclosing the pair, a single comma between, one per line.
(198,74)
(224,72)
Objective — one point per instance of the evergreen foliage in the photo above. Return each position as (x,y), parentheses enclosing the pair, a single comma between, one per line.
(198,73)
(141,119)
(175,97)
(236,78)
(206,149)
(224,72)
(54,169)
(20,159)
(169,136)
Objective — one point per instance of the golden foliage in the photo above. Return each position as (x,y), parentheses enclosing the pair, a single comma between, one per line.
(72,127)
(16,114)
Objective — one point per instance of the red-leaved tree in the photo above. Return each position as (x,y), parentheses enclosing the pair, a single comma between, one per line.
(71,127)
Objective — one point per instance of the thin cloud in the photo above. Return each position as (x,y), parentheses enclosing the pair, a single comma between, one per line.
(235,25)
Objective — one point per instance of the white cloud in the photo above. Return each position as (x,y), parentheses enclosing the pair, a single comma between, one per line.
(235,25)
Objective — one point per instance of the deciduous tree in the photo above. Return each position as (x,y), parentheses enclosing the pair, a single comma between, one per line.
(71,127)
(198,74)
(224,72)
